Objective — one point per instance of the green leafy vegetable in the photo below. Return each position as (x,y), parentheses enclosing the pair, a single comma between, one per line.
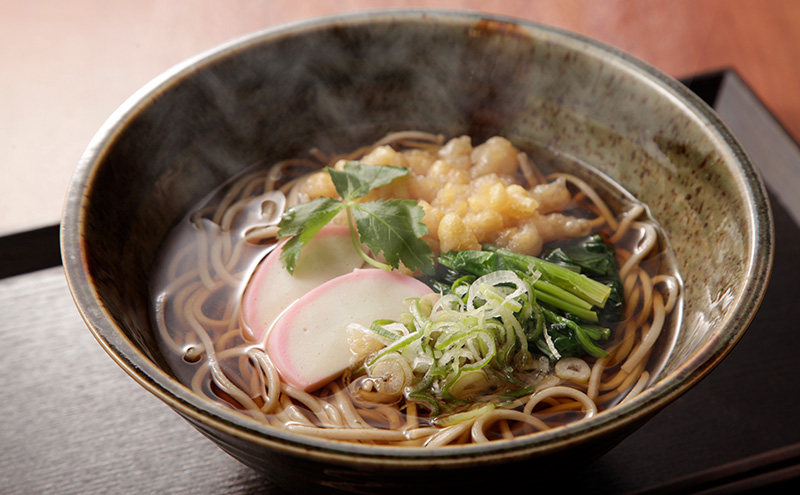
(392,227)
(498,308)
(357,179)
(302,223)
(559,286)
(582,334)
(564,277)
(395,228)
(596,259)
(576,288)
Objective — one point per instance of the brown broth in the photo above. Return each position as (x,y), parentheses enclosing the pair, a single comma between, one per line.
(177,283)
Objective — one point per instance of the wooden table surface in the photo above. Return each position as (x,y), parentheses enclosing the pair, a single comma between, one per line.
(65,66)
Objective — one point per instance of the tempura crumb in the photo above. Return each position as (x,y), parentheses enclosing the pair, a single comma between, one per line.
(471,195)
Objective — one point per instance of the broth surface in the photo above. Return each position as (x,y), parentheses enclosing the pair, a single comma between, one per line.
(207,261)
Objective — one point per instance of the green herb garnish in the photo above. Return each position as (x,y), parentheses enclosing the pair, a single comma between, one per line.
(392,227)
(576,289)
(594,258)
(560,286)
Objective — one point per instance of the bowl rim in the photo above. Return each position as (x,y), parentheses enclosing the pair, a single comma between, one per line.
(217,418)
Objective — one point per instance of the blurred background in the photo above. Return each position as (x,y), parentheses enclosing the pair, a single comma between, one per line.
(65,66)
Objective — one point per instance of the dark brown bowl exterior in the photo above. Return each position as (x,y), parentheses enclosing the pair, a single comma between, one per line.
(337,83)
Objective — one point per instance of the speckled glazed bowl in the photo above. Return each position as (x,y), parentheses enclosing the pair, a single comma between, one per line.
(340,82)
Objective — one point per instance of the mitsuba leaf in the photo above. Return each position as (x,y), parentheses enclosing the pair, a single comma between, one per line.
(302,223)
(391,227)
(296,218)
(356,179)
(394,228)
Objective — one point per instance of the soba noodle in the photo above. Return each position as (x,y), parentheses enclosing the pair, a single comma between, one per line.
(210,257)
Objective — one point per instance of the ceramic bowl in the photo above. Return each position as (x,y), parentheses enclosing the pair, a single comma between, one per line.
(339,82)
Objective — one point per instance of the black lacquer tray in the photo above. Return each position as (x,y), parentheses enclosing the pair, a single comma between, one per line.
(102,433)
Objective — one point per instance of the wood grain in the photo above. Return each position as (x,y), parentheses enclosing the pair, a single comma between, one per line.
(73,422)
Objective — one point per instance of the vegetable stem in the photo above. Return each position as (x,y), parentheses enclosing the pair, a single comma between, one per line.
(357,242)
(582,286)
(564,305)
(390,228)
